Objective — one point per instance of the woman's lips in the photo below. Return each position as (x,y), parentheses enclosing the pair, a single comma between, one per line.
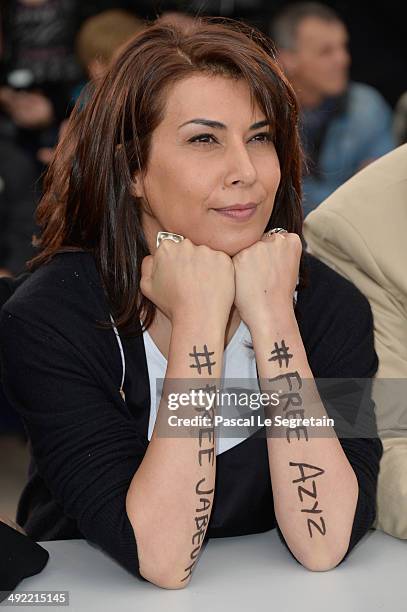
(239,215)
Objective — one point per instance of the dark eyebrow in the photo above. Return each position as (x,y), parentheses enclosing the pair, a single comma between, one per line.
(222,126)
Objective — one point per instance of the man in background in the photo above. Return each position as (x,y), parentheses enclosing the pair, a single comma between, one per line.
(344,125)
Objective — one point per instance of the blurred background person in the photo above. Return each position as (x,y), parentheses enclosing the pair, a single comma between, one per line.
(101,35)
(359,231)
(37,70)
(344,125)
(98,39)
(39,67)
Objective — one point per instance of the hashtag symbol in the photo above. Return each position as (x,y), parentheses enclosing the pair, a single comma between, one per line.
(281,354)
(207,363)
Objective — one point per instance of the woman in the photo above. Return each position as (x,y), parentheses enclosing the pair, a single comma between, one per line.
(184,125)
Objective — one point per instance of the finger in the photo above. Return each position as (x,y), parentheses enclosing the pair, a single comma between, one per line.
(294,237)
(273,237)
(266,238)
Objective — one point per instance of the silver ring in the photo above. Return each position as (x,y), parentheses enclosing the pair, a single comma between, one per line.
(276,230)
(168,236)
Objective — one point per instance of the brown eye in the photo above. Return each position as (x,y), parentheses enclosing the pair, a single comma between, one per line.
(199,138)
(265,137)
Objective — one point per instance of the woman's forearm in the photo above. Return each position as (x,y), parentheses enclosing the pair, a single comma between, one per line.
(170,497)
(315,489)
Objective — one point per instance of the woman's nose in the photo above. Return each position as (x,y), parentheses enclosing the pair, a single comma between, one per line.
(239,165)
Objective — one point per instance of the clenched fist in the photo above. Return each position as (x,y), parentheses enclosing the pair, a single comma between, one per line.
(185,280)
(266,276)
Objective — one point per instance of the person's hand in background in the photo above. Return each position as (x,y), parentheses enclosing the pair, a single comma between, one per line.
(6,98)
(30,110)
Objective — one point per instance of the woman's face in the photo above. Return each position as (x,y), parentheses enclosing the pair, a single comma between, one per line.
(210,152)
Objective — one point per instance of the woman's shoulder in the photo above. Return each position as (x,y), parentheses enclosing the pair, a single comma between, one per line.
(57,325)
(9,285)
(64,295)
(58,288)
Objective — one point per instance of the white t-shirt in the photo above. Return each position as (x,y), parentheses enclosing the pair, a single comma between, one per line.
(239,365)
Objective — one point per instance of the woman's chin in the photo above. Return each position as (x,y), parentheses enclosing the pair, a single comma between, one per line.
(233,247)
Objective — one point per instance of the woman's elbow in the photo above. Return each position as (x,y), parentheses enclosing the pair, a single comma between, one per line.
(163,577)
(161,565)
(323,563)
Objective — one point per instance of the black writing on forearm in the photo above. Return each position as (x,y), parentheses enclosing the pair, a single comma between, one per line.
(205,455)
(206,363)
(281,353)
(291,399)
(201,521)
(321,528)
(292,407)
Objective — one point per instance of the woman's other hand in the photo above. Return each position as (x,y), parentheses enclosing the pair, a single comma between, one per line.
(186,281)
(266,275)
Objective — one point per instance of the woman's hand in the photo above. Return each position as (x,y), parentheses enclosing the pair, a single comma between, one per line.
(266,276)
(186,281)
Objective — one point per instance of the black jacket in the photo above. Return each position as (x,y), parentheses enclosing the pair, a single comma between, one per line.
(63,374)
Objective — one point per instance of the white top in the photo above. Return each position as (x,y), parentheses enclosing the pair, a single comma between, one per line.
(238,363)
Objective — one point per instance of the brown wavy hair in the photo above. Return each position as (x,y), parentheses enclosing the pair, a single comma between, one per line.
(88,202)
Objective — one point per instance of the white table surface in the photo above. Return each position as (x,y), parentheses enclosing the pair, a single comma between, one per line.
(247,574)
